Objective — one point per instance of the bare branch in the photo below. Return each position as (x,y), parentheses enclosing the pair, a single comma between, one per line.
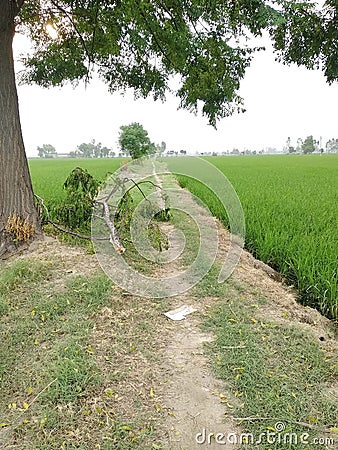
(114,239)
(103,202)
(63,230)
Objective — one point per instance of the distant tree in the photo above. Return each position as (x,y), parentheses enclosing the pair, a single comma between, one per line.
(105,152)
(112,154)
(235,151)
(161,148)
(134,141)
(289,148)
(98,150)
(41,153)
(46,151)
(92,150)
(308,145)
(86,150)
(317,145)
(299,144)
(332,146)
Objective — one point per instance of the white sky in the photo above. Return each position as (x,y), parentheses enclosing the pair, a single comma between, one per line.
(281,101)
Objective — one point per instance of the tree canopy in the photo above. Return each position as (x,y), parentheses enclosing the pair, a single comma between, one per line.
(46,151)
(308,145)
(198,49)
(134,141)
(142,44)
(332,145)
(91,150)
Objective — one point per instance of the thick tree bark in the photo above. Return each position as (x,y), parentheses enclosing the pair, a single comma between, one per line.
(16,192)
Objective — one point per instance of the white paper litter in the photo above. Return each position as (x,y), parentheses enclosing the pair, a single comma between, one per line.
(180,313)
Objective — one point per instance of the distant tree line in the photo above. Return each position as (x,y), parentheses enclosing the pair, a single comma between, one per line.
(133,141)
(311,145)
(92,150)
(84,150)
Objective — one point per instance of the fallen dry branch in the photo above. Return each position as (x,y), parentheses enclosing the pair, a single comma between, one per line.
(113,237)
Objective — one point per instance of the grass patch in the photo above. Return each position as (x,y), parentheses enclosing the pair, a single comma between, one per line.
(74,372)
(209,285)
(273,371)
(23,274)
(68,353)
(3,307)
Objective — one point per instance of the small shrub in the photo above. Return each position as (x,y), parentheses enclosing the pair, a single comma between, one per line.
(76,209)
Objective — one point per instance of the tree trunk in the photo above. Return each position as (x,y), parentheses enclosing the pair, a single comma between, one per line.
(16,192)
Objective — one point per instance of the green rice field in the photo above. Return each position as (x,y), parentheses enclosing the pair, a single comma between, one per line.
(48,175)
(290,204)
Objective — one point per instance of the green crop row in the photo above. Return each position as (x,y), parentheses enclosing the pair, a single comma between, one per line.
(291,210)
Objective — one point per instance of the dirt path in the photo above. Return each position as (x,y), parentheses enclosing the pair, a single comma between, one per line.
(191,393)
(196,401)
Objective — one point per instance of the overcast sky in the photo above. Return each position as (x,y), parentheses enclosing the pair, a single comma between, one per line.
(281,101)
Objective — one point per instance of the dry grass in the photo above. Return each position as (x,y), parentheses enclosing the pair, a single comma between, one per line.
(21,230)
